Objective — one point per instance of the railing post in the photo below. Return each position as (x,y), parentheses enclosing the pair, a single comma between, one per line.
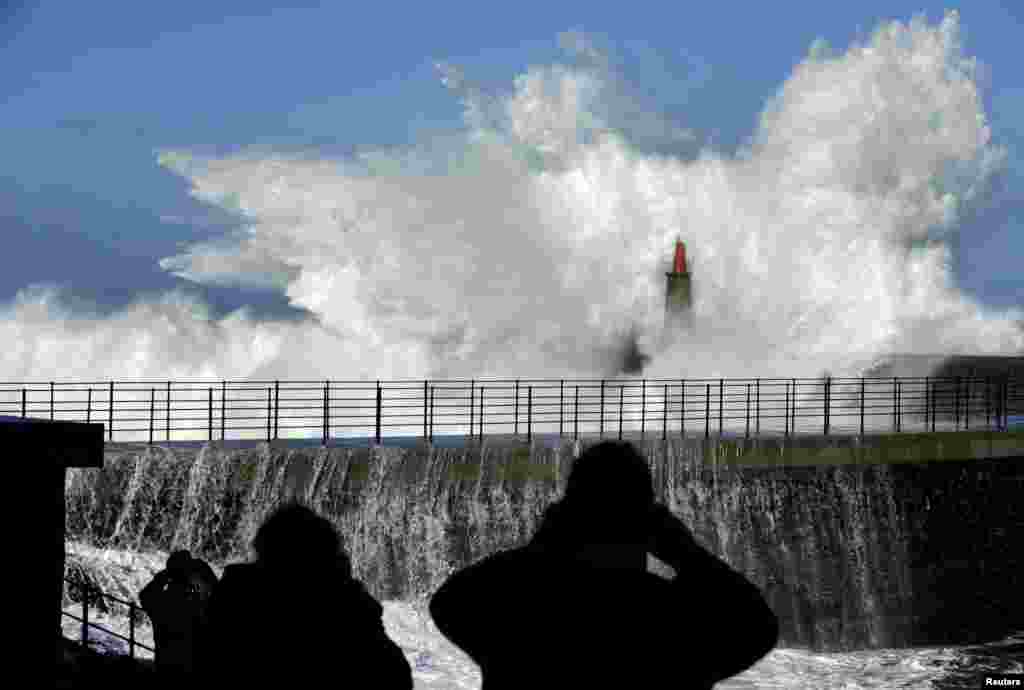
(828,393)
(682,408)
(209,408)
(223,406)
(432,388)
(515,410)
(110,423)
(956,404)
(621,389)
(899,405)
(277,405)
(327,411)
(787,409)
(997,408)
(471,401)
(665,413)
(131,629)
(88,405)
(1000,412)
(988,402)
(576,414)
(934,396)
(927,400)
(426,435)
(862,406)
(378,411)
(1003,412)
(895,404)
(481,414)
(707,411)
(967,405)
(23,400)
(152,405)
(757,406)
(1003,401)
(51,399)
(600,423)
(168,410)
(1006,403)
(721,397)
(747,415)
(529,414)
(643,406)
(561,406)
(269,390)
(793,426)
(85,614)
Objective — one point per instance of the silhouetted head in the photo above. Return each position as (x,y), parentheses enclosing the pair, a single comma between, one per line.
(611,471)
(608,497)
(179,561)
(295,534)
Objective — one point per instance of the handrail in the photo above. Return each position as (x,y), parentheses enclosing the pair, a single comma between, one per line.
(88,590)
(377,408)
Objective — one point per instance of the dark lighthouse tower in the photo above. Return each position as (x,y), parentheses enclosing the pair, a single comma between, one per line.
(678,301)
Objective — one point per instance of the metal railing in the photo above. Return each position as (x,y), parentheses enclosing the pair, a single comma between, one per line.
(498,406)
(90,593)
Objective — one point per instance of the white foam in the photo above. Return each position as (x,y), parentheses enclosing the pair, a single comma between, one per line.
(525,245)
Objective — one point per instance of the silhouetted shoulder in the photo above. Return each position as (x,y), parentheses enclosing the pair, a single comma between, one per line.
(203,570)
(377,660)
(237,572)
(521,615)
(529,609)
(230,604)
(469,603)
(356,599)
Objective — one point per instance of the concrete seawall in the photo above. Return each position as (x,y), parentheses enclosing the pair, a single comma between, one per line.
(898,540)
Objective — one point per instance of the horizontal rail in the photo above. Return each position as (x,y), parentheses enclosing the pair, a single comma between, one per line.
(90,592)
(131,643)
(134,411)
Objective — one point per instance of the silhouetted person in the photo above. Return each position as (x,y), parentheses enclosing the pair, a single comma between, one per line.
(296,615)
(577,607)
(176,601)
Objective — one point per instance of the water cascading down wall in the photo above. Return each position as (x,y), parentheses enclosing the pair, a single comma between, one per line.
(856,543)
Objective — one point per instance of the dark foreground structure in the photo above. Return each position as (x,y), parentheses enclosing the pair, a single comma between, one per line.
(54,446)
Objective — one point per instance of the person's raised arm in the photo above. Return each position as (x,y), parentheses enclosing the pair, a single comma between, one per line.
(206,575)
(149,597)
(733,621)
(222,647)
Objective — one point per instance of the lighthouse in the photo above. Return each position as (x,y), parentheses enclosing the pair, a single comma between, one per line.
(677,291)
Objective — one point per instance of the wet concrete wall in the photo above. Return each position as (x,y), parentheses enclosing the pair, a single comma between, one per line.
(58,484)
(857,543)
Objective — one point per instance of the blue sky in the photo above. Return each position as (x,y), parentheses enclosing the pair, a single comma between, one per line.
(91,91)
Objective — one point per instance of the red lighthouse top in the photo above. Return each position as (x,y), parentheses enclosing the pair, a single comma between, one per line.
(679,265)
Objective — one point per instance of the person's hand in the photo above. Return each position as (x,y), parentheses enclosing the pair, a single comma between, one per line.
(669,540)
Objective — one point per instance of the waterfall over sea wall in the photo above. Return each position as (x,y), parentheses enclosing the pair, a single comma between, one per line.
(849,554)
